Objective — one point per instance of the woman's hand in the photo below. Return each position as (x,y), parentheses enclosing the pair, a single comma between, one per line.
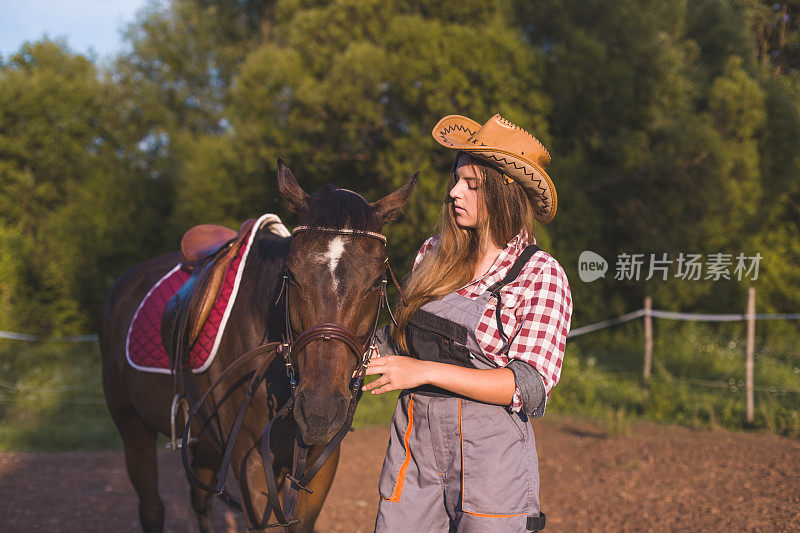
(398,372)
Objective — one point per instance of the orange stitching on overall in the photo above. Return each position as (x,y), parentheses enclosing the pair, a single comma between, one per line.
(401,476)
(494,515)
(461,440)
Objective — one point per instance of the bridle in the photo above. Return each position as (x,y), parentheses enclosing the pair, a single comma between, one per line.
(290,349)
(326,331)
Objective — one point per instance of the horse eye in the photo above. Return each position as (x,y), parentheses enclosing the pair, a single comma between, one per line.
(291,278)
(377,284)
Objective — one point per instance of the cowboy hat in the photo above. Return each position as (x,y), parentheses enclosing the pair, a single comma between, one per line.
(515,152)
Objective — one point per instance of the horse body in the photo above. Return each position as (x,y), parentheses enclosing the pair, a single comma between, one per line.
(140,402)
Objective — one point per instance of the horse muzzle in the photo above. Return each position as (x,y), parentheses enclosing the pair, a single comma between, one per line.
(319,418)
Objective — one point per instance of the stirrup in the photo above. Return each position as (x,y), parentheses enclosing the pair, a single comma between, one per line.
(176,443)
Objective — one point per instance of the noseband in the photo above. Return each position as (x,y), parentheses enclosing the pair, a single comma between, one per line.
(290,348)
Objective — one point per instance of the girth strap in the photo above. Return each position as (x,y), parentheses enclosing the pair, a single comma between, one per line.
(512,274)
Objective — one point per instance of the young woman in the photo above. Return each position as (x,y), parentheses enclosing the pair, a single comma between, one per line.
(478,345)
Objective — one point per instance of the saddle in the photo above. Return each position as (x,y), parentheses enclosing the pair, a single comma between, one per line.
(206,251)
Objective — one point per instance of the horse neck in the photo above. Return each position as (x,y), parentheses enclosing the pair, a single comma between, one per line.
(255,319)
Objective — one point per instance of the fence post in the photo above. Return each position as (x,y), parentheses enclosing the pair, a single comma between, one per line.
(751,341)
(648,345)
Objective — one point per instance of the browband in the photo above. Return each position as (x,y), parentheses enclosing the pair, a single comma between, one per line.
(344,231)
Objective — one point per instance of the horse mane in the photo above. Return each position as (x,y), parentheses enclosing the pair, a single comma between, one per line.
(336,208)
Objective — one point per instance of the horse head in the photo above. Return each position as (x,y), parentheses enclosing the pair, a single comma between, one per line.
(335,270)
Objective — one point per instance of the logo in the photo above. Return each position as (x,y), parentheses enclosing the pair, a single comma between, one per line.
(632,267)
(591,266)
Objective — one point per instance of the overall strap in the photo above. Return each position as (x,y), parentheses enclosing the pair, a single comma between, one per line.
(512,274)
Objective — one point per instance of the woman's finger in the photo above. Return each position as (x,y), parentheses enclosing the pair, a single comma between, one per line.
(383,380)
(386,388)
(371,371)
(381,361)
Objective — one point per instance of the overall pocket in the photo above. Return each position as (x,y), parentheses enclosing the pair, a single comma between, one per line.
(517,422)
(398,454)
(498,466)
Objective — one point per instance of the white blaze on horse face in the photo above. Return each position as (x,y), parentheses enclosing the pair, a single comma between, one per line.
(332,256)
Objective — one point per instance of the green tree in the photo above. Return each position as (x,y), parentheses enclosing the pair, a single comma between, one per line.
(75,209)
(348,91)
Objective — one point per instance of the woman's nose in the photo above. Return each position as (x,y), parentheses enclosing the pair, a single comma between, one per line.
(457,190)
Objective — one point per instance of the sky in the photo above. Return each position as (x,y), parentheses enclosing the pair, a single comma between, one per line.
(86,24)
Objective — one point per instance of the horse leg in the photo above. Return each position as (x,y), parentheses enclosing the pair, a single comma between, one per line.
(205,466)
(310,505)
(139,442)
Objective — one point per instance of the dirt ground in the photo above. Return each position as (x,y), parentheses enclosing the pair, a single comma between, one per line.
(659,478)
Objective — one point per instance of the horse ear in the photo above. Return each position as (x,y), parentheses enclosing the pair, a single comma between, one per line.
(289,189)
(389,206)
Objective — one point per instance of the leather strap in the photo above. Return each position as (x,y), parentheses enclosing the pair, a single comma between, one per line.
(295,482)
(396,284)
(327,331)
(267,350)
(298,465)
(510,276)
(272,486)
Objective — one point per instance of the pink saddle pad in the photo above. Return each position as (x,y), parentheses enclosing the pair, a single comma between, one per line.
(144,348)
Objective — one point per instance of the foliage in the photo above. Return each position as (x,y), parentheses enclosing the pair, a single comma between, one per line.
(75,206)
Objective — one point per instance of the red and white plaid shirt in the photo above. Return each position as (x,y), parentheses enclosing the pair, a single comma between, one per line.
(536,311)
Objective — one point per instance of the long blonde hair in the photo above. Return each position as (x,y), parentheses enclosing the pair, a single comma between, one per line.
(503,211)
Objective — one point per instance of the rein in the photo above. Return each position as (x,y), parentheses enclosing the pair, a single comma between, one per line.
(289,349)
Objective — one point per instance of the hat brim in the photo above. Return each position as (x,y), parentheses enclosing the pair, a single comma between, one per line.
(455,132)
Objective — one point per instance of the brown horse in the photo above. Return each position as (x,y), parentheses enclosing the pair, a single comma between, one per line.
(334,279)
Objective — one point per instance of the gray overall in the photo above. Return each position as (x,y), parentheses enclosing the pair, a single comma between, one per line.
(455,464)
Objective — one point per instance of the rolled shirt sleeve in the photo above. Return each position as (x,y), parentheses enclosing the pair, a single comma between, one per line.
(544,314)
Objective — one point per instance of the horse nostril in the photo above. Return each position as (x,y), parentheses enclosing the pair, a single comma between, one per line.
(299,410)
(341,415)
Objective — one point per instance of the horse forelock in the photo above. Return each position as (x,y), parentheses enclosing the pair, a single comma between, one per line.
(336,208)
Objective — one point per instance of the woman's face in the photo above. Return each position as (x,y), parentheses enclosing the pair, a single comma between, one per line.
(467,193)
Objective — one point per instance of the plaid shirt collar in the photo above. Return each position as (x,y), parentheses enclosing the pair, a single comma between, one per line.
(503,261)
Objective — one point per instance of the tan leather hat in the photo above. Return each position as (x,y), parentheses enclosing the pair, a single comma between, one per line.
(514,151)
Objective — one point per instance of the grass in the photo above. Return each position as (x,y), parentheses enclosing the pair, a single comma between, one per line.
(697,379)
(51,398)
(51,394)
(374,409)
(617,422)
